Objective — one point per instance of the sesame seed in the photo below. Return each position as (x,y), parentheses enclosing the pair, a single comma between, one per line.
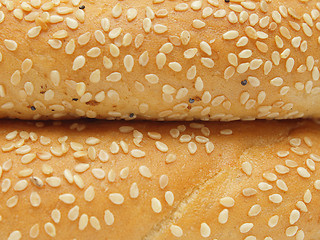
(145,172)
(15,235)
(67,198)
(95,223)
(198,24)
(116,198)
(176,231)
(307,196)
(34,231)
(134,190)
(83,222)
(273,221)
(254,210)
(303,172)
(137,153)
(163,181)
(282,185)
(73,213)
(89,194)
(78,63)
(53,181)
(156,205)
(56,215)
(169,197)
(227,202)
(205,230)
(117,10)
(275,198)
(175,66)
(50,229)
(108,217)
(11,45)
(223,216)
(246,227)
(294,216)
(291,231)
(12,202)
(230,35)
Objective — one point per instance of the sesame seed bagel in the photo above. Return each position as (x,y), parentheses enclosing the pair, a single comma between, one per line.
(117,181)
(160,59)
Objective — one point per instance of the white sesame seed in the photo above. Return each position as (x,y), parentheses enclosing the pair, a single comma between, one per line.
(11,45)
(50,229)
(176,231)
(294,216)
(303,172)
(246,227)
(83,222)
(156,205)
(275,198)
(67,198)
(108,217)
(116,198)
(307,196)
(205,230)
(73,213)
(273,221)
(291,231)
(145,171)
(227,202)
(223,216)
(78,63)
(230,35)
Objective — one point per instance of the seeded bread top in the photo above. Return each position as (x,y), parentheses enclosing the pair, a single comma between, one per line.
(160,59)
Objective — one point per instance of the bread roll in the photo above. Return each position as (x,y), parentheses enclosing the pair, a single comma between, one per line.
(159,59)
(136,181)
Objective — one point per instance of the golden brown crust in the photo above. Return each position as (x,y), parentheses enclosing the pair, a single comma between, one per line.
(239,60)
(237,160)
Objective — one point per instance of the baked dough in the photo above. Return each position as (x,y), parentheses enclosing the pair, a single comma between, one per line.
(159,59)
(118,181)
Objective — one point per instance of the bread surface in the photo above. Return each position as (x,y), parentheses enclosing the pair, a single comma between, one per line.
(160,59)
(119,180)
